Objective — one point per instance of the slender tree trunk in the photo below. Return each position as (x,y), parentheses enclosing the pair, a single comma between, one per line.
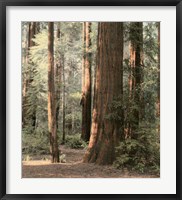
(87,96)
(35,30)
(51,96)
(142,98)
(32,32)
(105,133)
(37,27)
(130,93)
(158,78)
(83,82)
(83,56)
(70,81)
(64,107)
(25,81)
(72,105)
(138,71)
(58,77)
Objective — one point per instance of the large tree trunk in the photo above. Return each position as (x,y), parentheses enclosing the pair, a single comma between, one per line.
(51,96)
(106,133)
(86,88)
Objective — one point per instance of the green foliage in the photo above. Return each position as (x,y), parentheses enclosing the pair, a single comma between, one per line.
(141,153)
(75,142)
(39,52)
(115,110)
(150,41)
(135,33)
(35,144)
(67,50)
(149,73)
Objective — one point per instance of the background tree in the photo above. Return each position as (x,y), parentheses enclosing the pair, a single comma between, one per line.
(86,88)
(140,148)
(135,76)
(29,115)
(51,96)
(83,80)
(58,74)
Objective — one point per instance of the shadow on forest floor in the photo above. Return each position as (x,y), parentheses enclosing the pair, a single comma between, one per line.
(73,168)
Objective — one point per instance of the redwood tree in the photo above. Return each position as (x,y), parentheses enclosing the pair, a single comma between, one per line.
(86,82)
(58,75)
(135,77)
(106,133)
(51,96)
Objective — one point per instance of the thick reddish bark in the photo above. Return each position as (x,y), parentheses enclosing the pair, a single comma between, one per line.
(51,96)
(106,133)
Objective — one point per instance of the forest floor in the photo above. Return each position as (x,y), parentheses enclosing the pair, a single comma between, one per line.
(41,167)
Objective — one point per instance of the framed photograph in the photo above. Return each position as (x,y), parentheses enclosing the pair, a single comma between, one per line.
(90,99)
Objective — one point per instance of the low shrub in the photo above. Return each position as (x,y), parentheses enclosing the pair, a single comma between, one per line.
(141,154)
(75,142)
(35,144)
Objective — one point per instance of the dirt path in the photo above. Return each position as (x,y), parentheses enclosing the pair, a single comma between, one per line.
(72,168)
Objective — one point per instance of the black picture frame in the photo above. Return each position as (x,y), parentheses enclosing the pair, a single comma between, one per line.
(3,5)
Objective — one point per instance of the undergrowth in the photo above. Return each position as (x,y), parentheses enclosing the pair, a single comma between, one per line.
(141,154)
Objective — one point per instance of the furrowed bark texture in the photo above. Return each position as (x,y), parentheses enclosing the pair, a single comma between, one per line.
(105,134)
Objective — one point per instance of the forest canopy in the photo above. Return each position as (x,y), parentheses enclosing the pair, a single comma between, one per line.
(92,88)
